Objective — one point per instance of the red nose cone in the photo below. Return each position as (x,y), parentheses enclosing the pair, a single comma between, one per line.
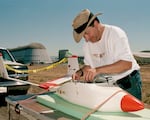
(130,104)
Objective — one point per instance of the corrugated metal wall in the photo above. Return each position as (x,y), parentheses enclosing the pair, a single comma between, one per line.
(35,56)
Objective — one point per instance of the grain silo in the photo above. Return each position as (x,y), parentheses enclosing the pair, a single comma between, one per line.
(34,53)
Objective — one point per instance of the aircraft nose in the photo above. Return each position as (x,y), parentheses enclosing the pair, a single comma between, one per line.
(129,104)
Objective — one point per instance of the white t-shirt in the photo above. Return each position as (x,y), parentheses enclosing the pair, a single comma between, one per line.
(112,47)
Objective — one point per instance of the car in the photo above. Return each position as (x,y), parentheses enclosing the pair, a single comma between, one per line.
(11,87)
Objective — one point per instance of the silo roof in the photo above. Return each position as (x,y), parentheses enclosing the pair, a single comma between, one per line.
(30,46)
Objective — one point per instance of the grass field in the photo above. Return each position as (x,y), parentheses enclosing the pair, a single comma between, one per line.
(145,72)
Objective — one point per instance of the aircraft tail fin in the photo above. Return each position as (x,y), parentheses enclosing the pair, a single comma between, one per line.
(73,65)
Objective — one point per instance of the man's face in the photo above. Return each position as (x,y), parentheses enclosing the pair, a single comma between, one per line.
(91,34)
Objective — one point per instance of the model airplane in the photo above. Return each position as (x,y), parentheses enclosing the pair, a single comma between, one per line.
(104,95)
(92,101)
(90,95)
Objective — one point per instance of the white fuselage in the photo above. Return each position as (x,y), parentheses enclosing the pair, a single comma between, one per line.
(94,96)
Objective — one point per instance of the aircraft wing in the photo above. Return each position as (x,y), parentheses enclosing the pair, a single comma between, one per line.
(54,83)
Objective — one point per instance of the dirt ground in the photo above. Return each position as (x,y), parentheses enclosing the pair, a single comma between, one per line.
(61,70)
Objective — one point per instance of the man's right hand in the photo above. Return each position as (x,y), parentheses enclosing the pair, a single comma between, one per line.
(77,75)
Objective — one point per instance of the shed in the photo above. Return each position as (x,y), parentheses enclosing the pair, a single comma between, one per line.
(35,53)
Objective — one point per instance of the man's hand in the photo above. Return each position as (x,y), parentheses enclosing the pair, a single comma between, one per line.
(89,74)
(86,72)
(77,75)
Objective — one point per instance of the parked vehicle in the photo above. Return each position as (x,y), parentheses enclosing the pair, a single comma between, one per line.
(10,87)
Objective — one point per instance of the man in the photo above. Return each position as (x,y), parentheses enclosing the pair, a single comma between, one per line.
(106,51)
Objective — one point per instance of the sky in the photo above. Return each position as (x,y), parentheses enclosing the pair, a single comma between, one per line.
(49,22)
